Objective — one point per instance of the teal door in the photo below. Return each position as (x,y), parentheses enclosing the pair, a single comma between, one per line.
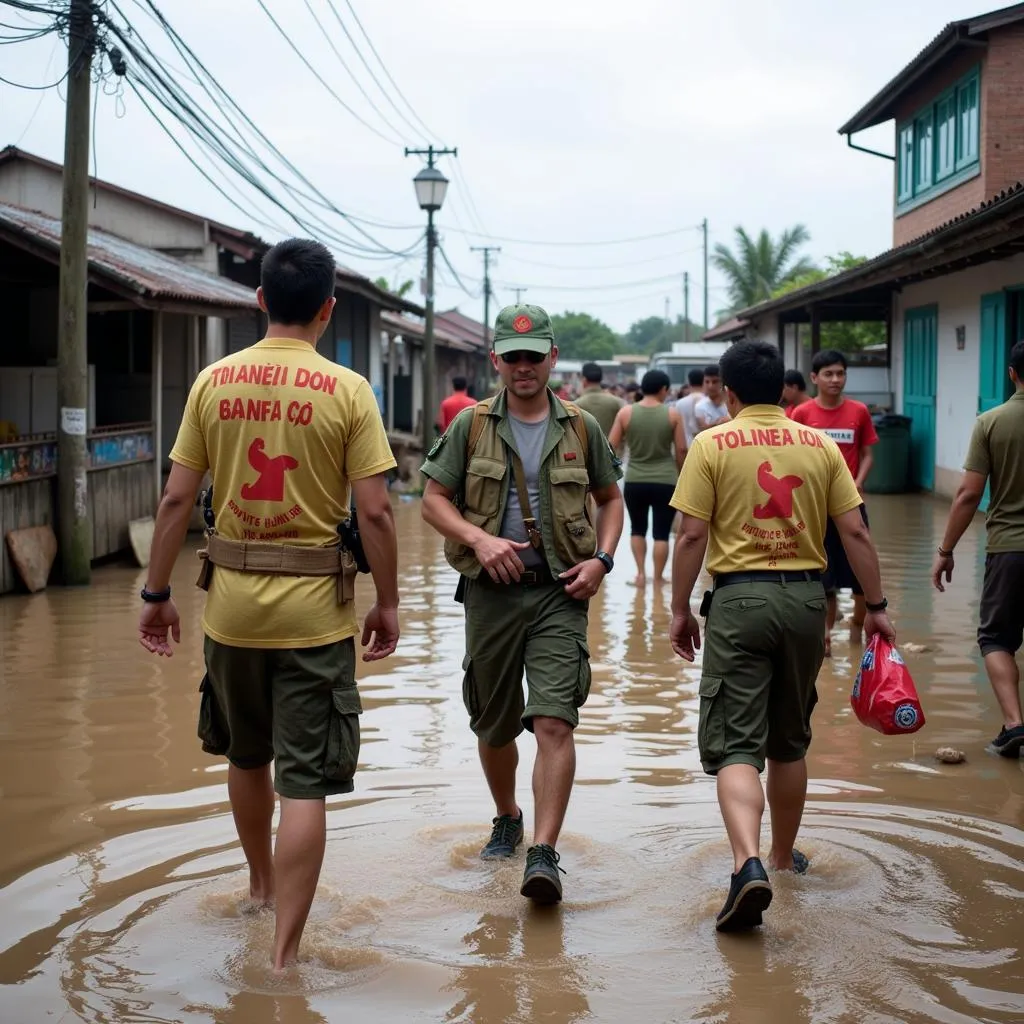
(921,354)
(993,378)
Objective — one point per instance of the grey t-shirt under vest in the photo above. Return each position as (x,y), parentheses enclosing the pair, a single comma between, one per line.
(529,438)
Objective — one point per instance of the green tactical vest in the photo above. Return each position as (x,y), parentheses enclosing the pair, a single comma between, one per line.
(565,517)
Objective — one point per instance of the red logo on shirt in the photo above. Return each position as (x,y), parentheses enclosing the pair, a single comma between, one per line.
(780,493)
(269,485)
(522,324)
(569,456)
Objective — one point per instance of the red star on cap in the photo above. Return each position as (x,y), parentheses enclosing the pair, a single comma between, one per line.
(522,324)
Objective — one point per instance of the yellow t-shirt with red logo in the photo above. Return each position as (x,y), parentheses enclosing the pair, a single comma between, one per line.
(765,486)
(282,430)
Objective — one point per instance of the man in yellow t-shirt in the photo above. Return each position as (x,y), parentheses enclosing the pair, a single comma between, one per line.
(290,439)
(755,493)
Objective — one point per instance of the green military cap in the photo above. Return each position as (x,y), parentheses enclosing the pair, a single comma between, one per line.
(523,328)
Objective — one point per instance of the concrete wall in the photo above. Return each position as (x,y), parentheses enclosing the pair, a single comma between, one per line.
(39,188)
(958,297)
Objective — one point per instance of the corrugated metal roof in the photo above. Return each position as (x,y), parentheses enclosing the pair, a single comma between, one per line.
(413,329)
(146,272)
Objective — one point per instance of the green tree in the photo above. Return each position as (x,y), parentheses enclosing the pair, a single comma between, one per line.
(653,334)
(582,336)
(760,266)
(401,290)
(846,337)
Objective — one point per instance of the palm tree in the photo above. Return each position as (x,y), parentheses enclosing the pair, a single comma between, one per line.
(761,266)
(397,289)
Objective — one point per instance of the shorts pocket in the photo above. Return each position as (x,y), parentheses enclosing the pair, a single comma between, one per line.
(212,730)
(711,730)
(343,735)
(469,688)
(583,676)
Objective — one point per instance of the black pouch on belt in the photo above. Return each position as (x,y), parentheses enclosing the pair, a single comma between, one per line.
(705,604)
(352,541)
(460,591)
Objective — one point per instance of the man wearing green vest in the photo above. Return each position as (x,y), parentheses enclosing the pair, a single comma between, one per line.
(508,487)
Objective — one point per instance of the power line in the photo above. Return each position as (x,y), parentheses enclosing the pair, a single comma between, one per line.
(610,241)
(316,74)
(606,266)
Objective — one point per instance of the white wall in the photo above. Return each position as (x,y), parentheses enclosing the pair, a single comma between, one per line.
(958,297)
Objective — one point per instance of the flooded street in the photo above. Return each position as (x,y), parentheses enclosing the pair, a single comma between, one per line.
(122,875)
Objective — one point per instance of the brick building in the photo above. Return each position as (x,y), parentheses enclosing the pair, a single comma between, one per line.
(951,290)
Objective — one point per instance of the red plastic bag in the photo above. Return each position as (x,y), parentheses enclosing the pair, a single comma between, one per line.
(884,696)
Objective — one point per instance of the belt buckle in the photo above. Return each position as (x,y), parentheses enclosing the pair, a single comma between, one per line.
(528,577)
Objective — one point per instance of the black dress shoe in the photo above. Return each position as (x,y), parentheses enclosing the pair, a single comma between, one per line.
(750,893)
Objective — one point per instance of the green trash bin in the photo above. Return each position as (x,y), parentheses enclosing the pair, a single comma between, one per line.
(891,472)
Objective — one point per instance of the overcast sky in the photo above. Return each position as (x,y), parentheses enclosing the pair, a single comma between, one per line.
(575,121)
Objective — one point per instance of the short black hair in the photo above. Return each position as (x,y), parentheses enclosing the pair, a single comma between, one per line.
(655,381)
(592,373)
(753,371)
(1017,359)
(795,379)
(711,370)
(459,383)
(830,357)
(695,378)
(297,278)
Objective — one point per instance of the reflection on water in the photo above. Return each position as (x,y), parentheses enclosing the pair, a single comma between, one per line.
(123,881)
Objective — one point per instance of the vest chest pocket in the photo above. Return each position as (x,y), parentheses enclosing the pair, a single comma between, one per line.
(484,479)
(575,538)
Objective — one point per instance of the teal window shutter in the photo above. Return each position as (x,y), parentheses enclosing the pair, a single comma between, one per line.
(923,142)
(905,163)
(945,150)
(968,122)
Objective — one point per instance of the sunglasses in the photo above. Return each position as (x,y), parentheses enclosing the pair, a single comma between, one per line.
(511,358)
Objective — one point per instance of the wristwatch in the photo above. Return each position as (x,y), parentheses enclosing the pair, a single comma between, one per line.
(880,607)
(606,560)
(155,596)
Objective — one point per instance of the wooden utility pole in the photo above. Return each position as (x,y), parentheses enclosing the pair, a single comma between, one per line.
(686,306)
(704,229)
(72,365)
(487,250)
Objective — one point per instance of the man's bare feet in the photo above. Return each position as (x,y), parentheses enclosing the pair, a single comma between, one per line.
(637,581)
(828,645)
(659,580)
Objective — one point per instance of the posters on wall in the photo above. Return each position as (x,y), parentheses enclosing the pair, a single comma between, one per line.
(39,459)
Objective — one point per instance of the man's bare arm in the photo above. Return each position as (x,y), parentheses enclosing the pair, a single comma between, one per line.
(380,541)
(171,525)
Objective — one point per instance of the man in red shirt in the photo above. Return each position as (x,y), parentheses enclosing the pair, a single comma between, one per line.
(849,424)
(454,403)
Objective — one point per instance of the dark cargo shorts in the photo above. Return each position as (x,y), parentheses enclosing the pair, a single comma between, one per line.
(838,574)
(512,628)
(297,707)
(1001,623)
(763,646)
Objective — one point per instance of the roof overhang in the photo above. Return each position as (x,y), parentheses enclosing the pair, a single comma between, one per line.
(993,231)
(957,35)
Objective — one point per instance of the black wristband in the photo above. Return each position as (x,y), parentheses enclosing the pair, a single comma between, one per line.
(945,553)
(880,607)
(155,596)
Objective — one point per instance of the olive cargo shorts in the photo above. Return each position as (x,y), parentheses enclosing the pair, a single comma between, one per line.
(297,707)
(512,628)
(763,647)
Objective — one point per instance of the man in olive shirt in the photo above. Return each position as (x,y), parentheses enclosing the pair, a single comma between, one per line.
(755,493)
(996,456)
(601,404)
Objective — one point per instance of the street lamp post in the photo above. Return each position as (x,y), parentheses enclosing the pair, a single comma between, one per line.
(431,186)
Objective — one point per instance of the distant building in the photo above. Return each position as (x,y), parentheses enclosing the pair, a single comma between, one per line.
(951,291)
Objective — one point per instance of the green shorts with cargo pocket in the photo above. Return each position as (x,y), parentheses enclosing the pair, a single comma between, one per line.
(297,707)
(512,628)
(763,647)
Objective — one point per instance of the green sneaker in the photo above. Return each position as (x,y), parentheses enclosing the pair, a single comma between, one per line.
(540,880)
(506,835)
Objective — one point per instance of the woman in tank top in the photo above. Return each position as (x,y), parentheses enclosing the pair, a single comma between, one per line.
(653,433)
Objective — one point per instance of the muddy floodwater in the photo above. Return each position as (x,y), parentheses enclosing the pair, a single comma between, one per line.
(122,878)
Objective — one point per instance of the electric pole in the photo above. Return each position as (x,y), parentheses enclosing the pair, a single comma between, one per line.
(72,362)
(704,228)
(519,292)
(431,187)
(486,250)
(666,308)
(686,306)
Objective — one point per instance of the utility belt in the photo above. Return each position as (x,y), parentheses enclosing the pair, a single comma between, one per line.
(278,560)
(728,579)
(344,560)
